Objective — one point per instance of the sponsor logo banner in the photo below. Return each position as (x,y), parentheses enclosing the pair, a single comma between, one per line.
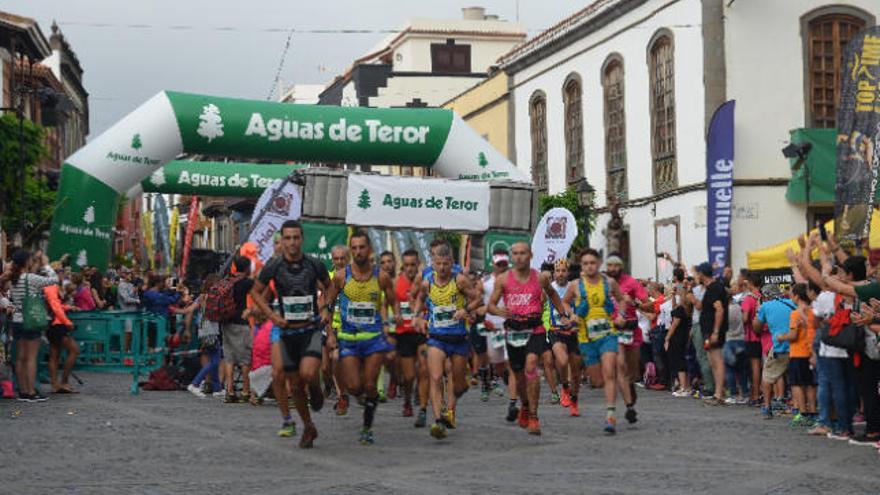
(553,237)
(386,201)
(719,184)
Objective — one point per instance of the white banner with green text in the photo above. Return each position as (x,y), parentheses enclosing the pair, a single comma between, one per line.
(385,201)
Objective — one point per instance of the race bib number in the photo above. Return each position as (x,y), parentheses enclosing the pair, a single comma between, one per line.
(405,312)
(482,332)
(361,313)
(496,339)
(625,337)
(443,316)
(518,339)
(298,308)
(597,329)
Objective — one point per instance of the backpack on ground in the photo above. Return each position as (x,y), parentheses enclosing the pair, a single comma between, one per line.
(219,303)
(164,378)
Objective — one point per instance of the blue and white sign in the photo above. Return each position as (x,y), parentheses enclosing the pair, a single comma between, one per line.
(719,185)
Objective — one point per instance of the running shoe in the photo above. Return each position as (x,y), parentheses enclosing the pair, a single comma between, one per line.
(438,430)
(534,427)
(449,418)
(219,394)
(496,387)
(657,386)
(819,430)
(839,435)
(38,397)
(316,398)
(631,415)
(287,430)
(766,413)
(742,401)
(573,410)
(421,419)
(610,426)
(512,413)
(565,398)
(407,410)
(523,418)
(307,440)
(682,393)
(24,397)
(797,420)
(554,398)
(866,440)
(392,389)
(484,396)
(366,437)
(342,406)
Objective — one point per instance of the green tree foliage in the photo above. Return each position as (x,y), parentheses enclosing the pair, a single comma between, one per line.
(38,199)
(568,200)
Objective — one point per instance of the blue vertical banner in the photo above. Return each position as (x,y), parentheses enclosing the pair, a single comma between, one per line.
(719,185)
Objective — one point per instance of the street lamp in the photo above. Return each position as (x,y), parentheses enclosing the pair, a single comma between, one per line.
(585,193)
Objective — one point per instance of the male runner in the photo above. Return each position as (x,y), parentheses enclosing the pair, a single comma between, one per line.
(496,348)
(296,333)
(362,339)
(630,337)
(564,343)
(448,300)
(411,345)
(388,264)
(480,342)
(339,258)
(591,299)
(521,289)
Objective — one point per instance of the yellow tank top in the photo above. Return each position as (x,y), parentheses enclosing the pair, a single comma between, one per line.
(360,308)
(597,323)
(336,323)
(443,302)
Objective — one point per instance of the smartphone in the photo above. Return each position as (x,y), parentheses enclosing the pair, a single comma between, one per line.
(174,282)
(822,232)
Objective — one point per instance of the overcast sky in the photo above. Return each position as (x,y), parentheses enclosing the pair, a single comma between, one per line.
(132,49)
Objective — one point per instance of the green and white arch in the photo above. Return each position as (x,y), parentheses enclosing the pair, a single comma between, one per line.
(171,123)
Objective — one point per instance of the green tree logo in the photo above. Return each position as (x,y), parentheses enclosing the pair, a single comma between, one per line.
(481,159)
(136,142)
(364,200)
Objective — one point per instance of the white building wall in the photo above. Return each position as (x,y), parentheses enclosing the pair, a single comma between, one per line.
(433,90)
(765,75)
(633,33)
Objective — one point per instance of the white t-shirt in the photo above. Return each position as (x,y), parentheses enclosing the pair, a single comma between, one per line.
(699,292)
(488,288)
(823,307)
(665,317)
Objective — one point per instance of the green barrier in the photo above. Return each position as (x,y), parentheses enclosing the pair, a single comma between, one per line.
(101,338)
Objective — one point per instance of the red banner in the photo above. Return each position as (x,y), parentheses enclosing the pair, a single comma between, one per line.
(191,220)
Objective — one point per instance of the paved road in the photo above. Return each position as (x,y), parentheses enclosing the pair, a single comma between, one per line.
(106,441)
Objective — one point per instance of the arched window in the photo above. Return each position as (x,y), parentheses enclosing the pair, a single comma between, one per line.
(827,33)
(662,74)
(538,117)
(574,129)
(615,127)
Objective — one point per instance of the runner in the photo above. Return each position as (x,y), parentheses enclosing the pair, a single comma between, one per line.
(564,343)
(448,299)
(411,345)
(480,342)
(630,336)
(591,299)
(496,349)
(362,339)
(521,289)
(388,264)
(339,258)
(296,335)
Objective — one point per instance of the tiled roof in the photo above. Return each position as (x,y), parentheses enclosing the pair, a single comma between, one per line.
(557,31)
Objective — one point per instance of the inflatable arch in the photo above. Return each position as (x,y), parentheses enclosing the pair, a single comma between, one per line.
(172,123)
